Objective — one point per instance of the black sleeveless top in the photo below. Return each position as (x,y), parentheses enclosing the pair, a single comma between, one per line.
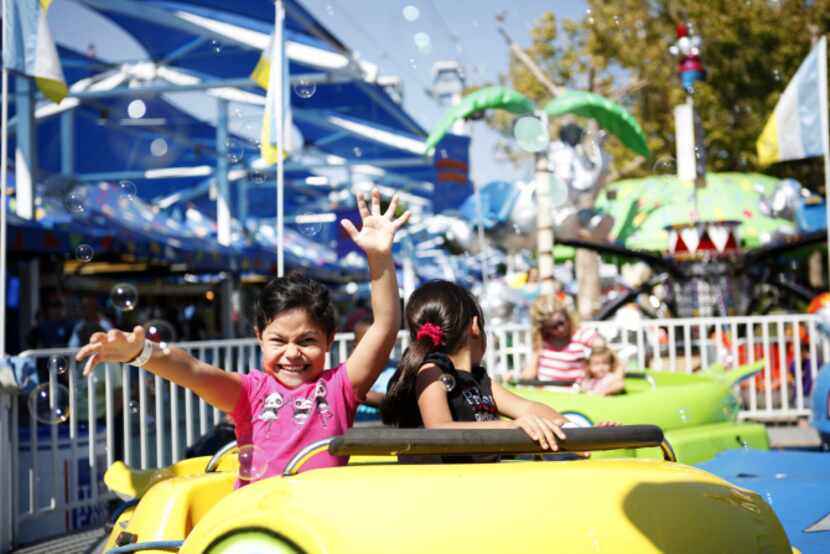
(470,398)
(469,393)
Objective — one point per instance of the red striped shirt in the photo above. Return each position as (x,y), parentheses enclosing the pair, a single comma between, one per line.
(567,363)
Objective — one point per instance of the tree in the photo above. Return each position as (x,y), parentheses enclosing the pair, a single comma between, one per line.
(619,49)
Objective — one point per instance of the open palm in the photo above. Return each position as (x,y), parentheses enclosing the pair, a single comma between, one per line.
(378,230)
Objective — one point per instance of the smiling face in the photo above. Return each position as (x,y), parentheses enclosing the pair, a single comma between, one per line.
(293,347)
(599,365)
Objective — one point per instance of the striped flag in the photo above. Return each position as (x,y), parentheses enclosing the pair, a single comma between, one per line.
(277,85)
(29,48)
(798,125)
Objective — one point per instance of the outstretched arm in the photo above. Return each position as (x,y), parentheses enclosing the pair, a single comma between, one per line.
(375,237)
(218,388)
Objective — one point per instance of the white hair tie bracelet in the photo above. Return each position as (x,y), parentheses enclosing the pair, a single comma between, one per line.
(144,357)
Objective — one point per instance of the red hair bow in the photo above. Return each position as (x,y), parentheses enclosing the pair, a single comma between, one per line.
(432,332)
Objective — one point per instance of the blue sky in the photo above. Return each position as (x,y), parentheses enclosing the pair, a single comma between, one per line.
(378,30)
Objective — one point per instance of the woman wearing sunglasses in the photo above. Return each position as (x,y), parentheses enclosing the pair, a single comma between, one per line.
(560,346)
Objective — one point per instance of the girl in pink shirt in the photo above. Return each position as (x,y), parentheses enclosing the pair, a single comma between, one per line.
(293,400)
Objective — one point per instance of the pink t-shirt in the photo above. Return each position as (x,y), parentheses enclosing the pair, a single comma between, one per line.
(282,420)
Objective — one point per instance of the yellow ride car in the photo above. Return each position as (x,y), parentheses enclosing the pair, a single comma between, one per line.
(377,504)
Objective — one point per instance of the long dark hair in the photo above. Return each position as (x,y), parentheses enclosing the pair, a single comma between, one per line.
(447,306)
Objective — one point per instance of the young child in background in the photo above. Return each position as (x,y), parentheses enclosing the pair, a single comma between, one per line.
(440,384)
(603,372)
(293,400)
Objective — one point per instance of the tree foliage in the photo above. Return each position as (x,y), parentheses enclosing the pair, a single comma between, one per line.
(751,49)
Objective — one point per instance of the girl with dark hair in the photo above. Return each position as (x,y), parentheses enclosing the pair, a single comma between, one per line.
(439,383)
(293,401)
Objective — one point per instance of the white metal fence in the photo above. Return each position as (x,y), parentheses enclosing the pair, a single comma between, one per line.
(122,412)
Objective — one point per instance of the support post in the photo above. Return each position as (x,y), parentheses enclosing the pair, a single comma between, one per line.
(25,156)
(68,143)
(544,224)
(223,210)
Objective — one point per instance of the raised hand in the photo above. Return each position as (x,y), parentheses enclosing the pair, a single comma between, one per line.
(378,230)
(112,346)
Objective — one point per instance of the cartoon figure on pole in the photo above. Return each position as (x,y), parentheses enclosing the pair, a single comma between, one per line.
(687,49)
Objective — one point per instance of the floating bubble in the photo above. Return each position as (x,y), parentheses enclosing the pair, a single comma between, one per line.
(304,88)
(58,364)
(159,330)
(216,46)
(443,154)
(412,63)
(165,348)
(665,165)
(329,9)
(132,407)
(448,380)
(422,42)
(411,13)
(158,147)
(780,475)
(136,109)
(253,463)
(124,297)
(357,151)
(309,224)
(531,134)
(127,190)
(683,414)
(49,407)
(84,253)
(258,177)
(768,497)
(74,202)
(234,150)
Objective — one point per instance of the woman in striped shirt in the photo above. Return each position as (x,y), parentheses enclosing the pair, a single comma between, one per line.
(560,346)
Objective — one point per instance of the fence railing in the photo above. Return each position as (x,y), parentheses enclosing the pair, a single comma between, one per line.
(122,412)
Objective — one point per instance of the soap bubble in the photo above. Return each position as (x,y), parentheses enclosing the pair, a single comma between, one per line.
(357,151)
(531,134)
(136,109)
(158,147)
(304,88)
(448,380)
(411,13)
(422,42)
(253,463)
(234,150)
(126,189)
(684,415)
(84,253)
(665,165)
(309,224)
(257,176)
(132,407)
(58,364)
(216,46)
(124,297)
(50,408)
(73,201)
(159,330)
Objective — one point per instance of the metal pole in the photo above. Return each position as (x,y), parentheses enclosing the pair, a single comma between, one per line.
(223,209)
(279,55)
(825,138)
(4,147)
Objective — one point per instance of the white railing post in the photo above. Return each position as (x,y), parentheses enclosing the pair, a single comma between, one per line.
(8,390)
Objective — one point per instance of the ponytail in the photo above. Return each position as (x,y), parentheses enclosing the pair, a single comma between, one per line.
(400,405)
(438,315)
